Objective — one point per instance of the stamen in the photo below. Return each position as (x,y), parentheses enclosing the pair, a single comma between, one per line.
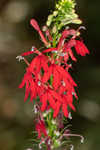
(75,135)
(20,58)
(82,27)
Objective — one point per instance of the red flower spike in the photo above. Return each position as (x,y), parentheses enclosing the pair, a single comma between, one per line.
(81,49)
(59,94)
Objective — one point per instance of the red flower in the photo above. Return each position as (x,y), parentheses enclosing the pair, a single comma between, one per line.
(31,87)
(81,49)
(38,63)
(41,129)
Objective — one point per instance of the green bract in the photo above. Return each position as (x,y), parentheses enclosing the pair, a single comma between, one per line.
(63,15)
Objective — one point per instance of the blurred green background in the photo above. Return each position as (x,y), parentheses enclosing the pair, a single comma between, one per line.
(17,36)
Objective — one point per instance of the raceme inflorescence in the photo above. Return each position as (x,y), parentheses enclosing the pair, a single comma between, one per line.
(47,79)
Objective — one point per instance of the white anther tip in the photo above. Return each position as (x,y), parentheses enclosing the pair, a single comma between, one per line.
(20,58)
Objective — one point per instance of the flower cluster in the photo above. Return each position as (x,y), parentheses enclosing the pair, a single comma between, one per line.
(47,76)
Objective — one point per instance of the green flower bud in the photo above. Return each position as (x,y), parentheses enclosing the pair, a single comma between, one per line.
(50,17)
(48,23)
(55,13)
(54,30)
(77,21)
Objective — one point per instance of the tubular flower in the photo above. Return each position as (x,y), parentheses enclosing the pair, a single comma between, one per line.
(81,49)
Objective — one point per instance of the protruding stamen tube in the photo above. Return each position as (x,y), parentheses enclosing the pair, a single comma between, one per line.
(34,23)
(22,58)
(74,135)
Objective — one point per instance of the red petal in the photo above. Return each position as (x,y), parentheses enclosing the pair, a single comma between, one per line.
(50,50)
(71,55)
(47,74)
(44,102)
(56,79)
(65,111)
(27,53)
(33,90)
(58,104)
(51,101)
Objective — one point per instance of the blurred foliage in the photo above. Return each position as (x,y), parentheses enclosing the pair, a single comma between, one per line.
(17,36)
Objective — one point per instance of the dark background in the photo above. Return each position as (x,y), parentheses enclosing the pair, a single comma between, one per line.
(17,36)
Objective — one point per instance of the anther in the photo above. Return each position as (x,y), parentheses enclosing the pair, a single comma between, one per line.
(20,58)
